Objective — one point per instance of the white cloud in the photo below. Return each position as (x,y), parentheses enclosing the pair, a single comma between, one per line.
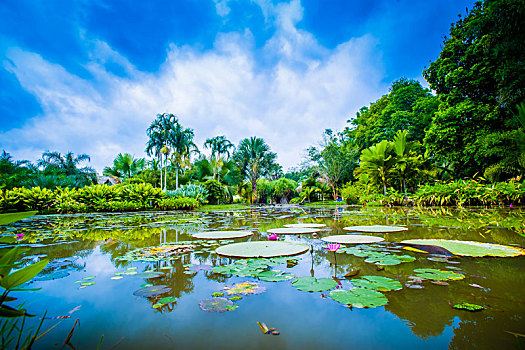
(226,90)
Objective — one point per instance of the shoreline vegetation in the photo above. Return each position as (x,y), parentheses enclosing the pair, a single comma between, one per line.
(460,142)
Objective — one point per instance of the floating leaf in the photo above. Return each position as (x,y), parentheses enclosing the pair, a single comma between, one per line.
(236,297)
(312,284)
(261,249)
(218,235)
(468,307)
(217,294)
(215,304)
(167,300)
(88,277)
(87,283)
(470,248)
(151,291)
(359,297)
(245,288)
(275,276)
(116,277)
(376,229)
(293,230)
(352,239)
(379,283)
(438,275)
(312,225)
(149,274)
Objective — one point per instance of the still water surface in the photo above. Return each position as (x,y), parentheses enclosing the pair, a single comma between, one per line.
(418,316)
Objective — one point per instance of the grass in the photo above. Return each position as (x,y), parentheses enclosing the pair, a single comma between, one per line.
(325,204)
(210,207)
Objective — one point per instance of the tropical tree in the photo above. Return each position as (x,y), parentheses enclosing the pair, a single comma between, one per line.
(254,159)
(181,141)
(405,157)
(377,162)
(125,166)
(220,152)
(67,165)
(15,173)
(159,134)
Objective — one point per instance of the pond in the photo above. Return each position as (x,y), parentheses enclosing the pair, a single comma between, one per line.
(103,273)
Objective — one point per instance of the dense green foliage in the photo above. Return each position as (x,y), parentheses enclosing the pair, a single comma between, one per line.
(126,197)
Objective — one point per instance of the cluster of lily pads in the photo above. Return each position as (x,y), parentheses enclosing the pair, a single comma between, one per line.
(257,268)
(219,302)
(377,254)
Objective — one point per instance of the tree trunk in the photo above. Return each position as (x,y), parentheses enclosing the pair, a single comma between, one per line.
(177,178)
(160,168)
(404,187)
(165,172)
(254,191)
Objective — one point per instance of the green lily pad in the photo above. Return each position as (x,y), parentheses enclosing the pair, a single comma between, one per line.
(376,229)
(293,230)
(438,275)
(88,283)
(167,300)
(352,239)
(216,305)
(222,234)
(217,294)
(468,307)
(275,276)
(379,283)
(88,277)
(383,259)
(116,277)
(470,248)
(150,274)
(312,284)
(359,297)
(261,249)
(235,298)
(151,291)
(305,225)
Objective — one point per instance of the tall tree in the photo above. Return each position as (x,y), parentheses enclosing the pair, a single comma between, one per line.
(254,158)
(181,141)
(377,162)
(68,166)
(159,134)
(479,78)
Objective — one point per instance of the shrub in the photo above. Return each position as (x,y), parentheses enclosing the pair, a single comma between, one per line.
(183,203)
(11,200)
(195,191)
(351,193)
(37,198)
(215,191)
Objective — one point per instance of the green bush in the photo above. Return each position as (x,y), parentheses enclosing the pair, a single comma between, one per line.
(37,198)
(196,191)
(352,193)
(215,191)
(183,203)
(10,200)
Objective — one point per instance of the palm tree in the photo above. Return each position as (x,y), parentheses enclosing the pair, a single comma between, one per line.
(404,156)
(55,162)
(377,161)
(219,145)
(254,160)
(181,140)
(125,166)
(160,134)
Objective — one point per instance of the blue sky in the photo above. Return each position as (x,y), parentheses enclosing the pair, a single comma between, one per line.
(89,76)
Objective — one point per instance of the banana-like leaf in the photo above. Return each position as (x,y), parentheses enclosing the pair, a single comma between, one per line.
(23,275)
(12,217)
(7,311)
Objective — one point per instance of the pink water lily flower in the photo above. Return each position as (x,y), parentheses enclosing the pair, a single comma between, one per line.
(511,205)
(333,247)
(19,236)
(272,237)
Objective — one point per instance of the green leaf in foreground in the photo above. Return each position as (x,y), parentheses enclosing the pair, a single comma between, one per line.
(23,275)
(438,275)
(359,297)
(312,284)
(379,283)
(468,307)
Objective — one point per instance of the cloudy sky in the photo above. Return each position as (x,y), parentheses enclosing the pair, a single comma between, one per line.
(89,76)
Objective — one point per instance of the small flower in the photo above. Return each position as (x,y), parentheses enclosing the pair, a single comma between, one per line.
(272,237)
(333,247)
(511,205)
(19,236)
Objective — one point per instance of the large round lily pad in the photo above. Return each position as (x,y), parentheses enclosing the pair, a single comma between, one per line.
(261,249)
(151,291)
(379,283)
(359,297)
(352,239)
(470,248)
(305,225)
(216,305)
(217,235)
(312,284)
(376,229)
(293,230)
(275,276)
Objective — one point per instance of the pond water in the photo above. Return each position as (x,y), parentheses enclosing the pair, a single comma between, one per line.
(92,248)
